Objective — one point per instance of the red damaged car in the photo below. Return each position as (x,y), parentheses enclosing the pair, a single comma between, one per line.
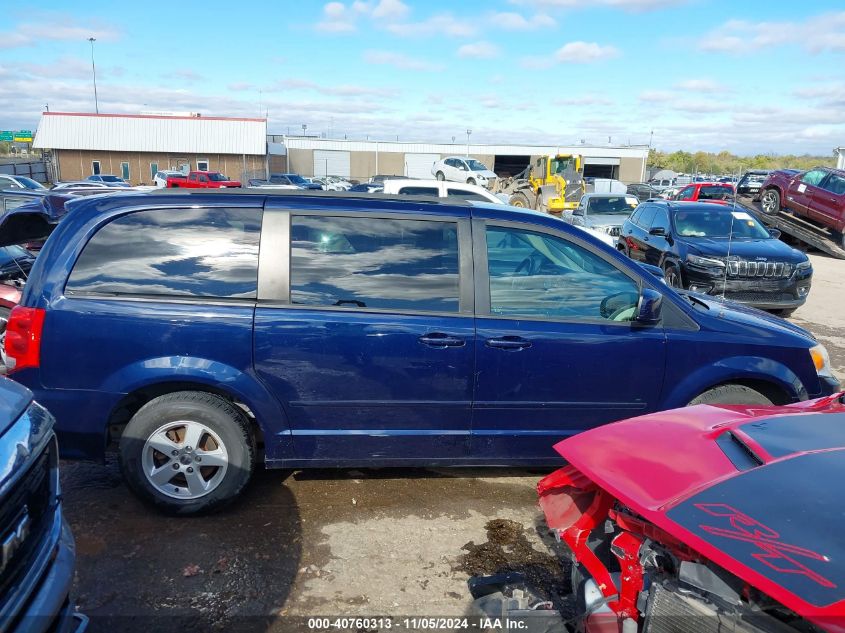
(710,518)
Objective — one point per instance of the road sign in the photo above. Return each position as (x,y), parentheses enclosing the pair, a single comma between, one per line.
(18,136)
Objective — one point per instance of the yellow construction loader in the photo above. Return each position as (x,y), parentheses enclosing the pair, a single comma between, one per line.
(553,184)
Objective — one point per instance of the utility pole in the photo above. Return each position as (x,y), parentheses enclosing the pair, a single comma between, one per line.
(94,73)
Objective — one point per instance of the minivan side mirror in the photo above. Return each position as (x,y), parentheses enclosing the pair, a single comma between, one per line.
(657,230)
(649,308)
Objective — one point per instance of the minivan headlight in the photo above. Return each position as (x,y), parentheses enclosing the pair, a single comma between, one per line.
(821,361)
(707,262)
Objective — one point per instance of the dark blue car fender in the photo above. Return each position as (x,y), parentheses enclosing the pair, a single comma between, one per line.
(736,369)
(241,386)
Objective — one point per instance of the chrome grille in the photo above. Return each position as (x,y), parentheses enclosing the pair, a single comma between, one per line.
(745,268)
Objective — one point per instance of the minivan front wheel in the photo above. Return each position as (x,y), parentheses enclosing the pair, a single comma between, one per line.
(731,394)
(187,452)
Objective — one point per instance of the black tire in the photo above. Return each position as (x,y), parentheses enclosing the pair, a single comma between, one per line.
(440,176)
(470,181)
(225,420)
(731,394)
(785,313)
(520,200)
(672,275)
(770,202)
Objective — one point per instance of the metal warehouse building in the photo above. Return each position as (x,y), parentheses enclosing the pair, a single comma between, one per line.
(136,146)
(362,159)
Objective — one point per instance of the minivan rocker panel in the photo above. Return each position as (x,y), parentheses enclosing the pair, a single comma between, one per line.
(205,332)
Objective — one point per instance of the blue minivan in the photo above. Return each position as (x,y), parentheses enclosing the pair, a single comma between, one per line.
(204,332)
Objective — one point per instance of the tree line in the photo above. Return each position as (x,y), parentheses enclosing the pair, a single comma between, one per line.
(726,163)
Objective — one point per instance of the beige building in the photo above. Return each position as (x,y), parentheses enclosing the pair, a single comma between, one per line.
(361,160)
(135,147)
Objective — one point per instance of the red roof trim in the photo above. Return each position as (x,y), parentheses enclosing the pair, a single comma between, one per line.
(152,116)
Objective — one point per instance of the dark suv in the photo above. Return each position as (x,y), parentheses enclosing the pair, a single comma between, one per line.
(37,556)
(718,250)
(205,333)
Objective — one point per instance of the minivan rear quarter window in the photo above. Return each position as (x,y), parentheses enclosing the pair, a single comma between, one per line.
(173,253)
(409,265)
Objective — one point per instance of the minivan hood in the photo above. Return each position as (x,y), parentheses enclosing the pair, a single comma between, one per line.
(766,249)
(606,219)
(746,315)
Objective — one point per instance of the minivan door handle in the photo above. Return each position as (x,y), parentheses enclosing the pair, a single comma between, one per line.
(439,339)
(513,343)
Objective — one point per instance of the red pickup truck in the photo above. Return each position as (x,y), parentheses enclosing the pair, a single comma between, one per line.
(817,194)
(202,180)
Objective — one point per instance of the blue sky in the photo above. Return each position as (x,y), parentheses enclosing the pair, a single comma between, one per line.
(748,77)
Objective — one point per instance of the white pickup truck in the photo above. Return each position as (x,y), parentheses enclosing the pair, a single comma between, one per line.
(441,189)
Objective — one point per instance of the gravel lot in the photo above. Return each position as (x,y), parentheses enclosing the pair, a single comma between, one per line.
(381,542)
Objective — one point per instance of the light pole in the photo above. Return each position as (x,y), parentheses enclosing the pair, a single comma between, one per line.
(469,132)
(304,129)
(94,73)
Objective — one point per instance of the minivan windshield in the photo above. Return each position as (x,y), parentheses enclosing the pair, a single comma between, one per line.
(718,223)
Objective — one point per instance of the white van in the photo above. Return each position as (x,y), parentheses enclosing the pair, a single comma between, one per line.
(441,189)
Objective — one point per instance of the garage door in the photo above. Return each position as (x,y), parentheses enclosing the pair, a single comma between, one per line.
(419,165)
(330,162)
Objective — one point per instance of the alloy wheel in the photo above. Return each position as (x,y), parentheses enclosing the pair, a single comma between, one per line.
(184,460)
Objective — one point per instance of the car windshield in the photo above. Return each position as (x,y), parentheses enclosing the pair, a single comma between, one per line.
(297,180)
(217,176)
(560,165)
(29,183)
(475,165)
(111,179)
(718,223)
(616,205)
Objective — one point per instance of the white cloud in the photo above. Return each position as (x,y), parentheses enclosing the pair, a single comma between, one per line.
(478,50)
(633,6)
(703,85)
(390,10)
(57,27)
(332,90)
(584,52)
(398,60)
(511,21)
(440,24)
(337,18)
(825,32)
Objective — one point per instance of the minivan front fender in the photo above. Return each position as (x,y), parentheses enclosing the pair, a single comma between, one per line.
(218,377)
(740,370)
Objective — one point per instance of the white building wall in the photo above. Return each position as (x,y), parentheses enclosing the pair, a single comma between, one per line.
(137,133)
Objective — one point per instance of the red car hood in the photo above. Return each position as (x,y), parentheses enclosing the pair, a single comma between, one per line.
(760,491)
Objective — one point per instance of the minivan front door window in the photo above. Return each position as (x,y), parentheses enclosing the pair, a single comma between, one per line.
(543,276)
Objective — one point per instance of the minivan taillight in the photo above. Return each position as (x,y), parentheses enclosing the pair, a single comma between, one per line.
(23,338)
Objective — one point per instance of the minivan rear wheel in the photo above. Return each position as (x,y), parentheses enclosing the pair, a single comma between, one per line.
(188,452)
(731,394)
